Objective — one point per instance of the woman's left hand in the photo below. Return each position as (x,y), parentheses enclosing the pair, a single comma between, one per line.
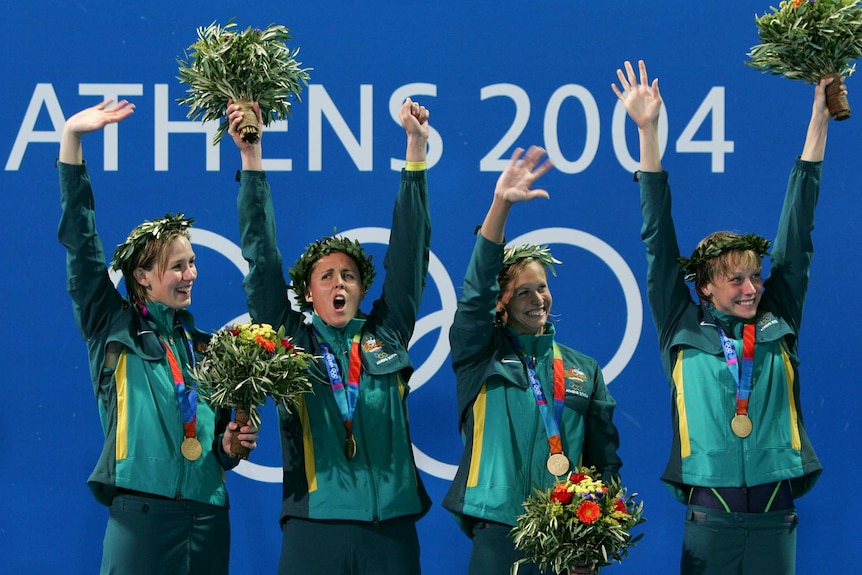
(247,436)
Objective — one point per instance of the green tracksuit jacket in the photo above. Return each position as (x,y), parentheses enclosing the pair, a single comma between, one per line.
(506,444)
(382,481)
(135,392)
(705,451)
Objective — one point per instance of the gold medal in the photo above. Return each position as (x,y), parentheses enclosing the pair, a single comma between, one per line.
(191,448)
(558,464)
(350,447)
(741,425)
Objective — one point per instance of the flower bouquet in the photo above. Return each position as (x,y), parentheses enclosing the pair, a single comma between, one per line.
(579,521)
(249,66)
(809,40)
(243,365)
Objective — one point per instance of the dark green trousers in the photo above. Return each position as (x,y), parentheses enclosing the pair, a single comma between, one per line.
(150,536)
(317,547)
(494,552)
(721,543)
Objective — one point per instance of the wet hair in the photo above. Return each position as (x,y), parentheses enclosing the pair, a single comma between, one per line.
(148,245)
(300,273)
(515,260)
(731,252)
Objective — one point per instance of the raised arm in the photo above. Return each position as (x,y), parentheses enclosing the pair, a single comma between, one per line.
(814,149)
(642,102)
(407,257)
(265,285)
(86,121)
(793,248)
(414,120)
(514,185)
(93,294)
(666,289)
(251,155)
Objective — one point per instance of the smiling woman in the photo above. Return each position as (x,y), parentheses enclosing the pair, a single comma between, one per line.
(525,401)
(165,450)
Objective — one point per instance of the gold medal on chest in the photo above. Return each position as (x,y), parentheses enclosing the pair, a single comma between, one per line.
(350,447)
(558,464)
(741,425)
(191,448)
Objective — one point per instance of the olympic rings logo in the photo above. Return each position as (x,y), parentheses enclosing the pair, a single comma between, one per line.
(441,320)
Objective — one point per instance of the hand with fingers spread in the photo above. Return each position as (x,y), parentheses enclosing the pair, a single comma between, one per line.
(90,120)
(515,183)
(642,102)
(641,99)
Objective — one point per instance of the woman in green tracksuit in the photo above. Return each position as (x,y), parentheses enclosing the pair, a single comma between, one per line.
(501,341)
(161,471)
(351,486)
(740,453)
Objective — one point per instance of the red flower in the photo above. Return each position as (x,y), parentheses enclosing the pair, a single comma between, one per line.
(287,345)
(577,477)
(620,506)
(562,495)
(235,331)
(265,343)
(589,512)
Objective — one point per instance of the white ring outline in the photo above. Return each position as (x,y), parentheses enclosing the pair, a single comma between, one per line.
(443,318)
(624,275)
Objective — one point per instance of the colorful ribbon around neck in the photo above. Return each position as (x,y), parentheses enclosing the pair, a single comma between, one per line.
(741,376)
(187,397)
(345,399)
(550,418)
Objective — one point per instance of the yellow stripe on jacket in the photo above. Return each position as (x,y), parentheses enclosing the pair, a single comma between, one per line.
(122,437)
(478,435)
(684,438)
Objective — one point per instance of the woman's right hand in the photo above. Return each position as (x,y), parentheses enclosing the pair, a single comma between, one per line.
(90,120)
(98,116)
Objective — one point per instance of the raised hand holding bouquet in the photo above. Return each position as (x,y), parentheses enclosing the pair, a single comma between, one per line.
(243,365)
(580,521)
(249,66)
(810,40)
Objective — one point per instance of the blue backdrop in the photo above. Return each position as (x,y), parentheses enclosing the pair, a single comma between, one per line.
(495,75)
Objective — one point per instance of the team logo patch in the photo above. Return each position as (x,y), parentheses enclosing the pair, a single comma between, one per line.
(767,320)
(575,379)
(370,345)
(576,374)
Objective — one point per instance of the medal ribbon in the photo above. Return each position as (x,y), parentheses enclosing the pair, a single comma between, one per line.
(187,397)
(743,381)
(550,418)
(346,401)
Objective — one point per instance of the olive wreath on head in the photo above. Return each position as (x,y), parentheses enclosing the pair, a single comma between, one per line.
(542,254)
(323,247)
(142,234)
(712,248)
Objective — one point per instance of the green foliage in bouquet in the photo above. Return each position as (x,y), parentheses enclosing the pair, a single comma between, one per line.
(253,65)
(246,363)
(578,521)
(809,39)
